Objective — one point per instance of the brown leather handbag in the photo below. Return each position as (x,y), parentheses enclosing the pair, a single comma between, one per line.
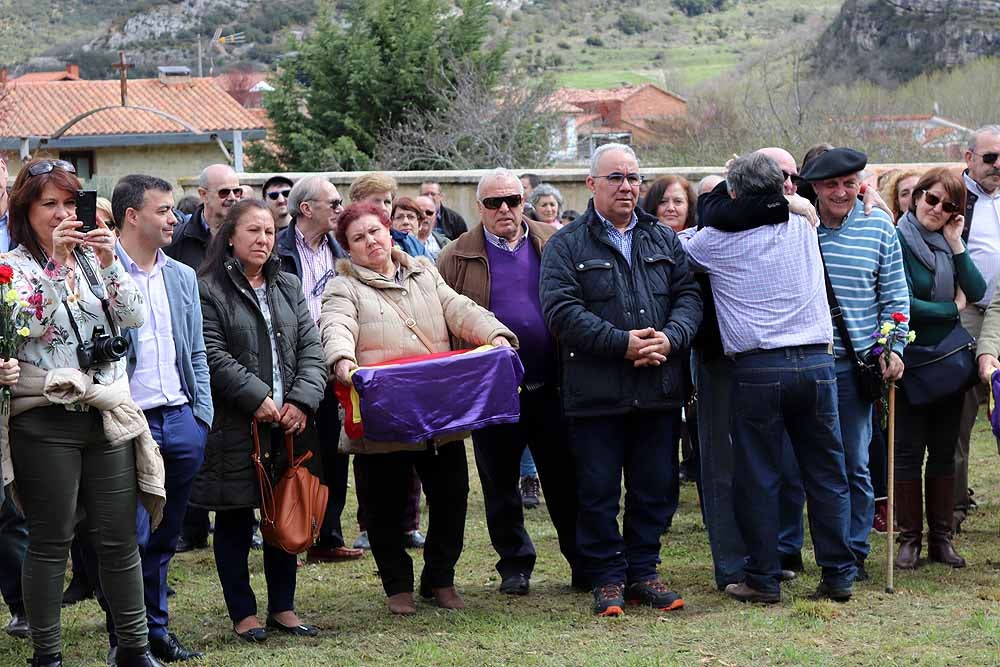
(291,513)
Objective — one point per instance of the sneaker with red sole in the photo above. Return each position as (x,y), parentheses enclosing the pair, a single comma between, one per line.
(654,593)
(609,600)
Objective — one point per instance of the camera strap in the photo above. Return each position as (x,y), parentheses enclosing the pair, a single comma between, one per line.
(99,290)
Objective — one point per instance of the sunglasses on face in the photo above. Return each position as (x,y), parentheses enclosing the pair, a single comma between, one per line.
(274,194)
(988,158)
(494,203)
(225,192)
(946,206)
(616,178)
(40,168)
(430,214)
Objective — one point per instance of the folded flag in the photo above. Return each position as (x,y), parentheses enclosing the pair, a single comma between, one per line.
(991,406)
(419,398)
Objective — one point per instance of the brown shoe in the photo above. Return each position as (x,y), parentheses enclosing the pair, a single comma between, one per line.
(401,604)
(333,554)
(448,598)
(910,519)
(940,503)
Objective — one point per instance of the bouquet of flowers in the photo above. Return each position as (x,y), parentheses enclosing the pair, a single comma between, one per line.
(888,335)
(14,316)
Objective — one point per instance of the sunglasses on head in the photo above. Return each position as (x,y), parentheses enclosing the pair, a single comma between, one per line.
(493,203)
(225,192)
(988,158)
(946,206)
(40,168)
(274,194)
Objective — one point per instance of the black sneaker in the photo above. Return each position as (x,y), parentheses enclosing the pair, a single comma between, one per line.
(824,590)
(530,488)
(609,600)
(745,593)
(654,593)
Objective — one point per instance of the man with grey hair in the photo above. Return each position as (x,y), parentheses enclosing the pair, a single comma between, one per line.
(307,248)
(617,295)
(497,265)
(775,325)
(982,235)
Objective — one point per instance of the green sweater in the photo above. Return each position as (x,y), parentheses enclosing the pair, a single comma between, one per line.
(933,320)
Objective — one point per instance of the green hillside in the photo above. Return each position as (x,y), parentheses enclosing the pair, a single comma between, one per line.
(584,43)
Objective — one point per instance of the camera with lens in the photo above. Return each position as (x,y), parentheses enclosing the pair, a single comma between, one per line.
(102,348)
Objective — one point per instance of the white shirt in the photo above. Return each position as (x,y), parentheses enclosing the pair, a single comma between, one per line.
(155,383)
(984,237)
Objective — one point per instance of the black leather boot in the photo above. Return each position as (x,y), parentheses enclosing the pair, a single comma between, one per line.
(136,657)
(50,660)
(940,505)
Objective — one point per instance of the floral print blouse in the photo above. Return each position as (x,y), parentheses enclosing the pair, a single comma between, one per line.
(51,342)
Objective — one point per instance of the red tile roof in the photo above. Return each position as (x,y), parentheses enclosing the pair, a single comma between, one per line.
(41,77)
(584,96)
(40,109)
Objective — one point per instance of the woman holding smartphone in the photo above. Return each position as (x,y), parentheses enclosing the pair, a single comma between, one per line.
(75,289)
(942,280)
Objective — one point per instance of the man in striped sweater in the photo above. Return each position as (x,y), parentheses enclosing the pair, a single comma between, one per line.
(864,261)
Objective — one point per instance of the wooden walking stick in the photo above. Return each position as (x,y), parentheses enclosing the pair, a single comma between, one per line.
(890,483)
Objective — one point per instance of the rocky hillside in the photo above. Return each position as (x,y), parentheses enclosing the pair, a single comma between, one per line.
(892,41)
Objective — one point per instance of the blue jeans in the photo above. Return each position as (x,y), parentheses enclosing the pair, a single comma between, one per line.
(13,545)
(791,502)
(713,379)
(856,431)
(604,448)
(791,389)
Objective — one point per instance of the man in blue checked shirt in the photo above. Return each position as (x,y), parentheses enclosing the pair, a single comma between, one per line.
(775,325)
(307,248)
(617,295)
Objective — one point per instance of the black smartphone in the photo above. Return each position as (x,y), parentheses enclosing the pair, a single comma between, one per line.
(86,209)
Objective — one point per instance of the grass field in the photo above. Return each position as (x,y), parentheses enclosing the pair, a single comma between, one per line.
(937,616)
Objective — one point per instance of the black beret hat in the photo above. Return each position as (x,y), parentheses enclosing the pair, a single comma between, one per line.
(833,163)
(274,180)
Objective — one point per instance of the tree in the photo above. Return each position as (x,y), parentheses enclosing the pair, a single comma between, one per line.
(474,125)
(347,84)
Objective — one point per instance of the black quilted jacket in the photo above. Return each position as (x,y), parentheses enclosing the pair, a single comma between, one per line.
(591,298)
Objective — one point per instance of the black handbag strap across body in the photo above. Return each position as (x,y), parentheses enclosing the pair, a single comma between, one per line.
(868,371)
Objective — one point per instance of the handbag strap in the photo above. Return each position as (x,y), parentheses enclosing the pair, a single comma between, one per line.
(410,323)
(263,479)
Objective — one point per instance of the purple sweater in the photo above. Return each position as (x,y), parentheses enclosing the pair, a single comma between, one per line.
(514,300)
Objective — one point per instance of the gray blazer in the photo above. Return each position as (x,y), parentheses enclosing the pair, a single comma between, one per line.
(189,341)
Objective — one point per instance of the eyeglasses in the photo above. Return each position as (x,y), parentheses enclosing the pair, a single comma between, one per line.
(274,194)
(988,158)
(225,192)
(946,206)
(616,178)
(430,213)
(333,203)
(788,175)
(40,168)
(493,203)
(320,285)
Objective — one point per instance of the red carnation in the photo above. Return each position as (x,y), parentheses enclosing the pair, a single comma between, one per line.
(898,318)
(6,274)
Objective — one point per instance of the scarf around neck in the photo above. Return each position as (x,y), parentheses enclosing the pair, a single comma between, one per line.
(933,252)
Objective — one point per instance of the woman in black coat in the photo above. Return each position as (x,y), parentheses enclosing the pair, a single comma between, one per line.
(266,362)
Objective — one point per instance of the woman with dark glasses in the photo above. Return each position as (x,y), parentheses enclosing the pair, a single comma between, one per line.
(78,296)
(942,280)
